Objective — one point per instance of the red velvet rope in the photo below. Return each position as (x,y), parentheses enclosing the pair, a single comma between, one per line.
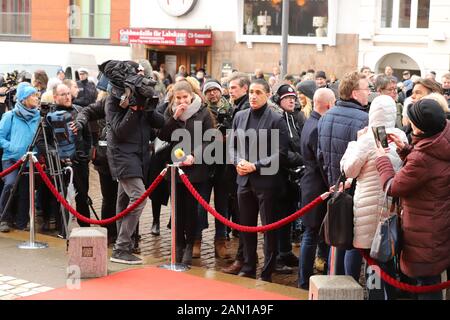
(403,286)
(268,227)
(11,169)
(66,205)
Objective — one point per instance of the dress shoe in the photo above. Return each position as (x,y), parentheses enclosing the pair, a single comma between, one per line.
(196,249)
(266,279)
(283,269)
(235,268)
(155,228)
(289,260)
(247,275)
(221,249)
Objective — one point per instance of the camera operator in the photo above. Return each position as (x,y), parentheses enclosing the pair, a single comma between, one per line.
(287,202)
(17,129)
(130,117)
(78,158)
(222,112)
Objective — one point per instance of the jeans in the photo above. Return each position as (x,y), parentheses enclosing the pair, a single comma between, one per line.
(310,243)
(347,262)
(23,204)
(427,281)
(220,204)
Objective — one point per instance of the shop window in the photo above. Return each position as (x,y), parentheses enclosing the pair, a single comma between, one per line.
(90,19)
(307,18)
(15,17)
(405,14)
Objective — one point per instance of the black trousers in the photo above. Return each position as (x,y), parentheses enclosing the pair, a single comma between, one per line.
(81,183)
(251,202)
(186,215)
(109,194)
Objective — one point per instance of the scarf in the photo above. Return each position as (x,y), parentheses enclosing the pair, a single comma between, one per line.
(191,110)
(26,113)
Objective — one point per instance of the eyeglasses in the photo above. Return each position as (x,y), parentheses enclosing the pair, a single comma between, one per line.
(389,90)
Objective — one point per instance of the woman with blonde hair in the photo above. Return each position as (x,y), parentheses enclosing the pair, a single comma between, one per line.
(305,92)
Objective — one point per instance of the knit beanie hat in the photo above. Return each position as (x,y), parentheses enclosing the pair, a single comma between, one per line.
(211,84)
(428,116)
(308,88)
(24,90)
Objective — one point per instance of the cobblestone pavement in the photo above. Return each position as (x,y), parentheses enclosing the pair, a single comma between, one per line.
(12,288)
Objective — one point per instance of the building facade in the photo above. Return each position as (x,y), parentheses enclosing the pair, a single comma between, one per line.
(246,34)
(409,35)
(67,33)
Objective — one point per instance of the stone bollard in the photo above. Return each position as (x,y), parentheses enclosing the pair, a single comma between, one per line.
(88,250)
(334,288)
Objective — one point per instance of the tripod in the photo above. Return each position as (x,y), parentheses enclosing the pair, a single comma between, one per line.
(54,168)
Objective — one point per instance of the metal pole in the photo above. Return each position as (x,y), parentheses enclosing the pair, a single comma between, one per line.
(174,266)
(32,244)
(284,36)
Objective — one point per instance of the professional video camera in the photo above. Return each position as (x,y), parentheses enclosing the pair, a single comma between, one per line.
(8,86)
(128,85)
(224,119)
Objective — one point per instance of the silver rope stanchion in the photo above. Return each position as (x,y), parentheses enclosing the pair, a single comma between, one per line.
(173,266)
(32,244)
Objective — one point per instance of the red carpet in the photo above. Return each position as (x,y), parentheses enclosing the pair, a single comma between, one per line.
(156,284)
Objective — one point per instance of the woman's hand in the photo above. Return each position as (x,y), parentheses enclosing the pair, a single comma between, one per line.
(180,110)
(397,140)
(381,152)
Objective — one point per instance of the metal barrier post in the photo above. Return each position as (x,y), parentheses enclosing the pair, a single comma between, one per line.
(32,244)
(174,266)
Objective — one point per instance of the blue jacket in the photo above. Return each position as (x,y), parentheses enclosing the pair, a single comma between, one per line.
(16,133)
(336,129)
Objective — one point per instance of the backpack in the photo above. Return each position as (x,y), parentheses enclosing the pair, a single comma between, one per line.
(65,138)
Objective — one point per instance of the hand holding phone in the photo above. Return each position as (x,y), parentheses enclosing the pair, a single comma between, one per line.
(380,136)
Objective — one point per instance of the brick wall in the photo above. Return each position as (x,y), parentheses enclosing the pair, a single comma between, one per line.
(339,59)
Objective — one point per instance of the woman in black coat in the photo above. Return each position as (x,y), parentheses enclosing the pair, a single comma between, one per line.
(187,112)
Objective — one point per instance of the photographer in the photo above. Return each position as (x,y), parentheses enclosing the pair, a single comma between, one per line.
(287,202)
(17,129)
(221,110)
(73,147)
(130,117)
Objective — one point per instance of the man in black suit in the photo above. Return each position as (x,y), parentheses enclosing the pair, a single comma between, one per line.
(258,149)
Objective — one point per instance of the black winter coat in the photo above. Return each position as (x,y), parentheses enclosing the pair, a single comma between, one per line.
(128,139)
(87,94)
(197,173)
(314,182)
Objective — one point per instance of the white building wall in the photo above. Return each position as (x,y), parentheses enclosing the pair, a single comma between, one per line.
(430,48)
(219,15)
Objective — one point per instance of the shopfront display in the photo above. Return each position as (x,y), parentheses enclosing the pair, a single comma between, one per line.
(307,18)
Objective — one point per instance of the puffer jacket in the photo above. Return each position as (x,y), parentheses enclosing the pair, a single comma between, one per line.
(359,162)
(423,187)
(336,129)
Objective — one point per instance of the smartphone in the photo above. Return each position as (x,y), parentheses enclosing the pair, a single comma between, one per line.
(381,136)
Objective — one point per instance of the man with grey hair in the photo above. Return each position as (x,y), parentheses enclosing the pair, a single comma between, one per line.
(313,183)
(387,85)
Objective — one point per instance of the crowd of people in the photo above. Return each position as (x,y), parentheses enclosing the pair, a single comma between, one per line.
(316,130)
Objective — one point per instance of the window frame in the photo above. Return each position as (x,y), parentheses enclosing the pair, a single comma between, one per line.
(91,26)
(330,39)
(18,14)
(395,29)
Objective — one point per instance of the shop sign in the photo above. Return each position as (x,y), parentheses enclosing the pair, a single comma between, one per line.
(177,8)
(167,37)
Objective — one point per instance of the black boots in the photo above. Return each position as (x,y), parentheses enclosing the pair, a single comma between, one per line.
(155,228)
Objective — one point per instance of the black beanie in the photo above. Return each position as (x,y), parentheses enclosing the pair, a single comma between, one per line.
(428,116)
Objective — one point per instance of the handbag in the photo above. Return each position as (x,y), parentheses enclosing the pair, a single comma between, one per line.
(99,157)
(337,226)
(385,244)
